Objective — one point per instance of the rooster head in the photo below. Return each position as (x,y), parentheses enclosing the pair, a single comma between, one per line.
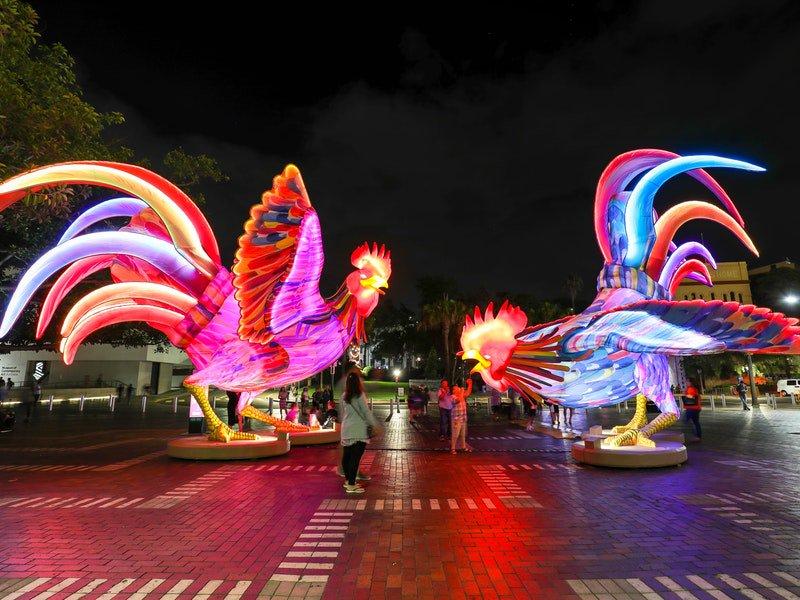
(371,277)
(490,340)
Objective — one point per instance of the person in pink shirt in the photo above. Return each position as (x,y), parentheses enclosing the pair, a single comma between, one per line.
(458,418)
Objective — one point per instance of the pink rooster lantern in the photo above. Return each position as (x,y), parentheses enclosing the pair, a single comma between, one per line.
(263,325)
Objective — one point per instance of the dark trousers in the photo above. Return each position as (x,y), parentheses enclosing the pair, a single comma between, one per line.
(351,458)
(233,400)
(444,421)
(743,398)
(28,410)
(694,416)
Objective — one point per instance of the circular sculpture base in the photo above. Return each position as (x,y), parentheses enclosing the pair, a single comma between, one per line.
(665,454)
(200,448)
(317,436)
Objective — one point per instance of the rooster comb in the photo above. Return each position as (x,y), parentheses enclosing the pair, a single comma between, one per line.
(513,315)
(363,255)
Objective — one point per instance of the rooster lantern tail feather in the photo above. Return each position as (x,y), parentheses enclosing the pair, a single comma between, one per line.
(633,237)
(162,261)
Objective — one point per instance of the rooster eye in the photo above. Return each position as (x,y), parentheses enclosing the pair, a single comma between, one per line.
(362,275)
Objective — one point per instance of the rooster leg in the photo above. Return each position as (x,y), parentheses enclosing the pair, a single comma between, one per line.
(218,431)
(639,418)
(633,434)
(641,437)
(279,424)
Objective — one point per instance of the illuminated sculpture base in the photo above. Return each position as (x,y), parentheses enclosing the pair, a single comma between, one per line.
(201,448)
(665,454)
(316,436)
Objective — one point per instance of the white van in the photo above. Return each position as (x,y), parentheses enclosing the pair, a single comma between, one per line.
(788,387)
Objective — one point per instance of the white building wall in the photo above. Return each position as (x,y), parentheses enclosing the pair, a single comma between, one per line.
(86,372)
(129,365)
(164,378)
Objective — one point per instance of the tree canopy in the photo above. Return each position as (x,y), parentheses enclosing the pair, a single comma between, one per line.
(44,119)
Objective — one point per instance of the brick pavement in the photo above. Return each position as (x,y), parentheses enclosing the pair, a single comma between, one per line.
(90,507)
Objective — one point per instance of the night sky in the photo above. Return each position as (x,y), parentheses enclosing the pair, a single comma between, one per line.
(472,151)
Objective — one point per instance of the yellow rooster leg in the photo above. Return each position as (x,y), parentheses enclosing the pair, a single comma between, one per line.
(218,431)
(279,424)
(662,421)
(639,419)
(641,437)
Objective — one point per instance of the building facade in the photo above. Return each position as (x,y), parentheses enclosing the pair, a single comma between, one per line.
(731,283)
(146,368)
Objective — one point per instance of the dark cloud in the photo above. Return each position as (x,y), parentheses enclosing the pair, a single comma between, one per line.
(471,152)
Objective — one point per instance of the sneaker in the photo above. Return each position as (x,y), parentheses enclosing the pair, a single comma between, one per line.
(354,489)
(363,477)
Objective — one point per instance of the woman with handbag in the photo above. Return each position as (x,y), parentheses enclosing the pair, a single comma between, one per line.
(358,426)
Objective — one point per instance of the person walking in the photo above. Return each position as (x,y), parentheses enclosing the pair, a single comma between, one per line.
(692,408)
(445,406)
(554,420)
(283,396)
(458,433)
(358,425)
(495,403)
(741,389)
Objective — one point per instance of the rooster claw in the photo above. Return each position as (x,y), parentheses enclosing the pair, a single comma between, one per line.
(630,437)
(223,433)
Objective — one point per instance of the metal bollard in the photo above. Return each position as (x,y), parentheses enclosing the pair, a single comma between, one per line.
(50,403)
(144,403)
(724,401)
(713,406)
(175,405)
(113,403)
(619,408)
(80,404)
(626,405)
(370,402)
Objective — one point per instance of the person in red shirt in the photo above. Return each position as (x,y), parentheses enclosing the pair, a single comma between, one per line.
(692,408)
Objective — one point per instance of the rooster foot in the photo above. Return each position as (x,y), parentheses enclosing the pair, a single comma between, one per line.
(631,437)
(223,433)
(638,420)
(279,424)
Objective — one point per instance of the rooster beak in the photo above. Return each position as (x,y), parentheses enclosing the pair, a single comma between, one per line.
(376,283)
(483,363)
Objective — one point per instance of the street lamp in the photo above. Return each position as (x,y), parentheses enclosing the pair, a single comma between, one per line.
(396,374)
(791,298)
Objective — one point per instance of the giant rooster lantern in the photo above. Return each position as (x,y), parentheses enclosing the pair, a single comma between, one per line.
(262,325)
(618,347)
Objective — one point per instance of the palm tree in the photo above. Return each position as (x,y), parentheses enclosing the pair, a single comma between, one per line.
(444,314)
(573,285)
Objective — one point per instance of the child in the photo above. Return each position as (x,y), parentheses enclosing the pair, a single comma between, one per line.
(294,413)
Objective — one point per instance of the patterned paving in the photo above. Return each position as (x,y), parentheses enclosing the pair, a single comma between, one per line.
(515,519)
